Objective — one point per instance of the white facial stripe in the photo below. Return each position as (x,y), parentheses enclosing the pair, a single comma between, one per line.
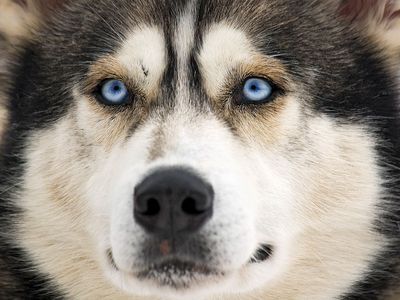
(223,49)
(144,56)
(183,43)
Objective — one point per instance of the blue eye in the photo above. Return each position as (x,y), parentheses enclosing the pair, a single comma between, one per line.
(257,90)
(114,92)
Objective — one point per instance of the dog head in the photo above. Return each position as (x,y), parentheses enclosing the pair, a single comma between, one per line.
(201,148)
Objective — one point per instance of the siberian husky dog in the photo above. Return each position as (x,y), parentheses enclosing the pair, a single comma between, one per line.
(200,149)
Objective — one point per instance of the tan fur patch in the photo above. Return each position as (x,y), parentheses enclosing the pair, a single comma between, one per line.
(110,123)
(227,58)
(140,69)
(106,125)
(274,123)
(105,68)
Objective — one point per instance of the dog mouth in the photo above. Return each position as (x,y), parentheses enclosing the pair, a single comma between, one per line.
(183,274)
(179,274)
(262,254)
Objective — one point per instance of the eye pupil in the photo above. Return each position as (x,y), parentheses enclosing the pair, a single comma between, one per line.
(113,92)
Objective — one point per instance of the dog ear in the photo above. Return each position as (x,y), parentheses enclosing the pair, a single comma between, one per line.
(45,8)
(381,18)
(20,18)
(383,12)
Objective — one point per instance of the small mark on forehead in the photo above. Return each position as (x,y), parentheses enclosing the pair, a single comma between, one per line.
(145,70)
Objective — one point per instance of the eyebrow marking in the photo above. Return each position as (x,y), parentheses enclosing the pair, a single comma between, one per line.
(143,55)
(224,48)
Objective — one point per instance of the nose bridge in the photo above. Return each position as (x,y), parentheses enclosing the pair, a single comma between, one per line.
(179,134)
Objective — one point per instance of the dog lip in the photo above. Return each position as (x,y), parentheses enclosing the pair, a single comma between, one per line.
(111,260)
(178,267)
(173,264)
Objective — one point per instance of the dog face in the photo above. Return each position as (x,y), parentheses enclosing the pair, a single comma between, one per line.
(201,148)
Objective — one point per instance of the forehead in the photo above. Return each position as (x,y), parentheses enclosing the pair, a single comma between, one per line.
(148,49)
(91,29)
(105,24)
(154,30)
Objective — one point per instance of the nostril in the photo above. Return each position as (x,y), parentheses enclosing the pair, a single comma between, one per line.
(153,208)
(189,206)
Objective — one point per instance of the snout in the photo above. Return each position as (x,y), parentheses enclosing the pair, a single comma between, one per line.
(185,220)
(171,203)
(182,221)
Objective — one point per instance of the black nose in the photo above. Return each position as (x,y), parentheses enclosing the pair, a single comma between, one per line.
(173,201)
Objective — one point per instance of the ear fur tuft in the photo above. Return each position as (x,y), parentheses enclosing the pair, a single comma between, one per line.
(382,12)
(19,18)
(381,18)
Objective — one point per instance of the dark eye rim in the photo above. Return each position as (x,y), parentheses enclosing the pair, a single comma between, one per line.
(99,97)
(241,100)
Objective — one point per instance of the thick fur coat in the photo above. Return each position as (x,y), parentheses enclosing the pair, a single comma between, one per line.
(305,186)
